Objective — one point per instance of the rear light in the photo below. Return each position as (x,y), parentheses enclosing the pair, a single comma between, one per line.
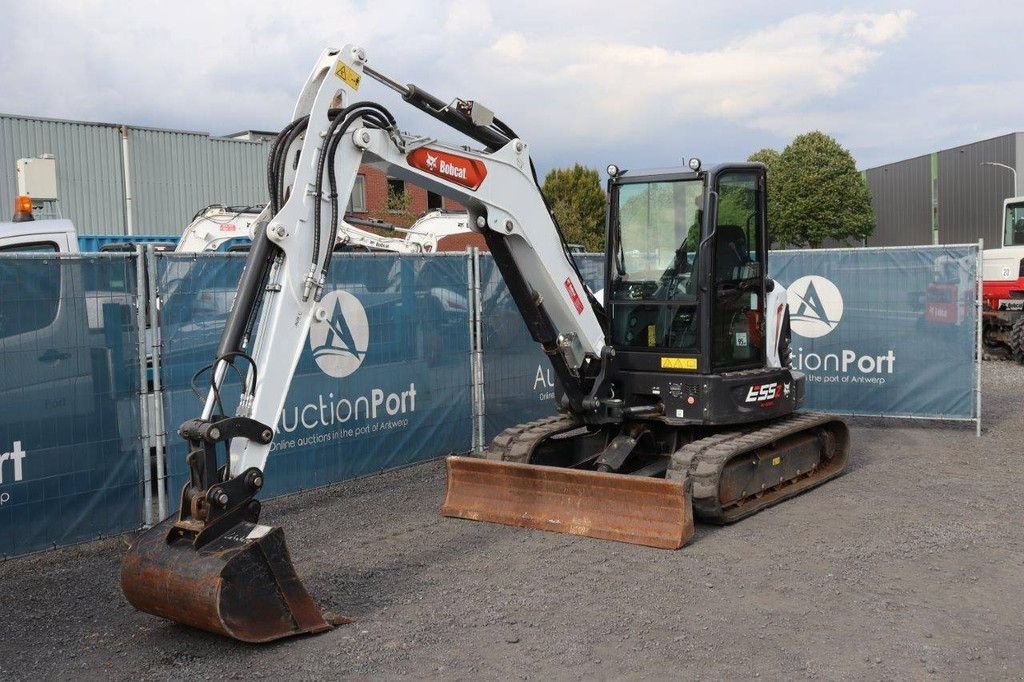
(23,208)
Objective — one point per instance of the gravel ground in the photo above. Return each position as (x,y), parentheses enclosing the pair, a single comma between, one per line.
(909,566)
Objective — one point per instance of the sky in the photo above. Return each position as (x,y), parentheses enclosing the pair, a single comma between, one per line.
(643,84)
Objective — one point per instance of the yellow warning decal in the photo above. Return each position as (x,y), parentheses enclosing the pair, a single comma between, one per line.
(349,75)
(679,363)
(651,335)
(776,461)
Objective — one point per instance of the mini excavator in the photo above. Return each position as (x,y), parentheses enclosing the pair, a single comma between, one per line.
(674,393)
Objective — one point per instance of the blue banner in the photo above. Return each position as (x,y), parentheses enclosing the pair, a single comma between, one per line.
(384,380)
(518,379)
(876,331)
(884,331)
(70,468)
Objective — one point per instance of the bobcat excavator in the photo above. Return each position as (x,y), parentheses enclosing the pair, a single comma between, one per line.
(673,394)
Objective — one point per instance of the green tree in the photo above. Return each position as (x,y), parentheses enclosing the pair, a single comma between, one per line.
(578,202)
(819,194)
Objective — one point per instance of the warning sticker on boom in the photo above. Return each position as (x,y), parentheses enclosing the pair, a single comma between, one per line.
(573,296)
(348,74)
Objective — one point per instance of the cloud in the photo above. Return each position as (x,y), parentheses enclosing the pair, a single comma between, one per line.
(570,80)
(606,87)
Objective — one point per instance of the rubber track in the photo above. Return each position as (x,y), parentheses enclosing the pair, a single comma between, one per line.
(1017,339)
(704,459)
(515,443)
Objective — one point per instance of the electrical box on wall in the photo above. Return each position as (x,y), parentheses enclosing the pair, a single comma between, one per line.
(37,177)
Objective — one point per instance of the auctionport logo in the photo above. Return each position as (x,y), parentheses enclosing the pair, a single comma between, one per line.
(14,472)
(815,306)
(339,340)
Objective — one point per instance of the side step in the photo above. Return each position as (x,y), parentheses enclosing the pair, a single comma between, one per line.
(655,512)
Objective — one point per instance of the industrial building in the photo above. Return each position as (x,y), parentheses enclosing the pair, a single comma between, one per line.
(119,179)
(952,196)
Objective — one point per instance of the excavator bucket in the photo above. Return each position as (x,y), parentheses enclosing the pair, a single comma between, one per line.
(644,511)
(241,584)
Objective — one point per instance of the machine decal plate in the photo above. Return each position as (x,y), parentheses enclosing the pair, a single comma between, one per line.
(348,74)
(469,173)
(679,363)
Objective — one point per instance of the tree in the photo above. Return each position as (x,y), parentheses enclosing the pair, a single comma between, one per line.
(819,194)
(578,202)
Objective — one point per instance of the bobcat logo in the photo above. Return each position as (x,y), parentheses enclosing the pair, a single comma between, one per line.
(815,306)
(431,162)
(340,340)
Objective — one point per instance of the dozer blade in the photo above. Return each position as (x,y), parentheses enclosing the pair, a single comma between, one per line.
(241,584)
(644,511)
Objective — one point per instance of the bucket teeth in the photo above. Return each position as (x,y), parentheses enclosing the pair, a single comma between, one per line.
(241,584)
(645,511)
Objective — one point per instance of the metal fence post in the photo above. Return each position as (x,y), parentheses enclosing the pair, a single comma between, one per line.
(144,400)
(979,278)
(471,304)
(160,432)
(476,348)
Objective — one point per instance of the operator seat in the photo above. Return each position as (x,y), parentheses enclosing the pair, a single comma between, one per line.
(731,252)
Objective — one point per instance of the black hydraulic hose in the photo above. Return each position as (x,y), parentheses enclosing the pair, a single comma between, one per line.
(595,304)
(343,118)
(370,118)
(274,161)
(333,135)
(282,160)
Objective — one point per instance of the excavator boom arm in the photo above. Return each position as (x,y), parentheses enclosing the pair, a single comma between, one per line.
(504,203)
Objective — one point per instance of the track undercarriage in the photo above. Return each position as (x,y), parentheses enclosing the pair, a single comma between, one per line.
(643,482)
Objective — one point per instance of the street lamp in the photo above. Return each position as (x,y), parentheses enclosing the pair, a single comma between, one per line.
(1009,168)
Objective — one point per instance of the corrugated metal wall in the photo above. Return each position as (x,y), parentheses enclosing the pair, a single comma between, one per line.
(971,195)
(89,165)
(901,197)
(173,173)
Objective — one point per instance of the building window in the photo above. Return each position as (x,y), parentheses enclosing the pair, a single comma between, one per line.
(357,200)
(434,200)
(398,201)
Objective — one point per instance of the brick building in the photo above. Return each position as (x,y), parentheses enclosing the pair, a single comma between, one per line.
(370,198)
(370,193)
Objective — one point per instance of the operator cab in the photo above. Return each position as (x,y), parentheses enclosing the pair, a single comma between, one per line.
(685,275)
(1013,223)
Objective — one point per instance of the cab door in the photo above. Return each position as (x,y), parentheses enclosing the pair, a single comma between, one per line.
(738,270)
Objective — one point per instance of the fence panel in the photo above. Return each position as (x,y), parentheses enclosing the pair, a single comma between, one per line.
(888,331)
(518,379)
(383,382)
(902,342)
(69,382)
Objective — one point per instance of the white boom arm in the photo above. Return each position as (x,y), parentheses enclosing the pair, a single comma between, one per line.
(497,188)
